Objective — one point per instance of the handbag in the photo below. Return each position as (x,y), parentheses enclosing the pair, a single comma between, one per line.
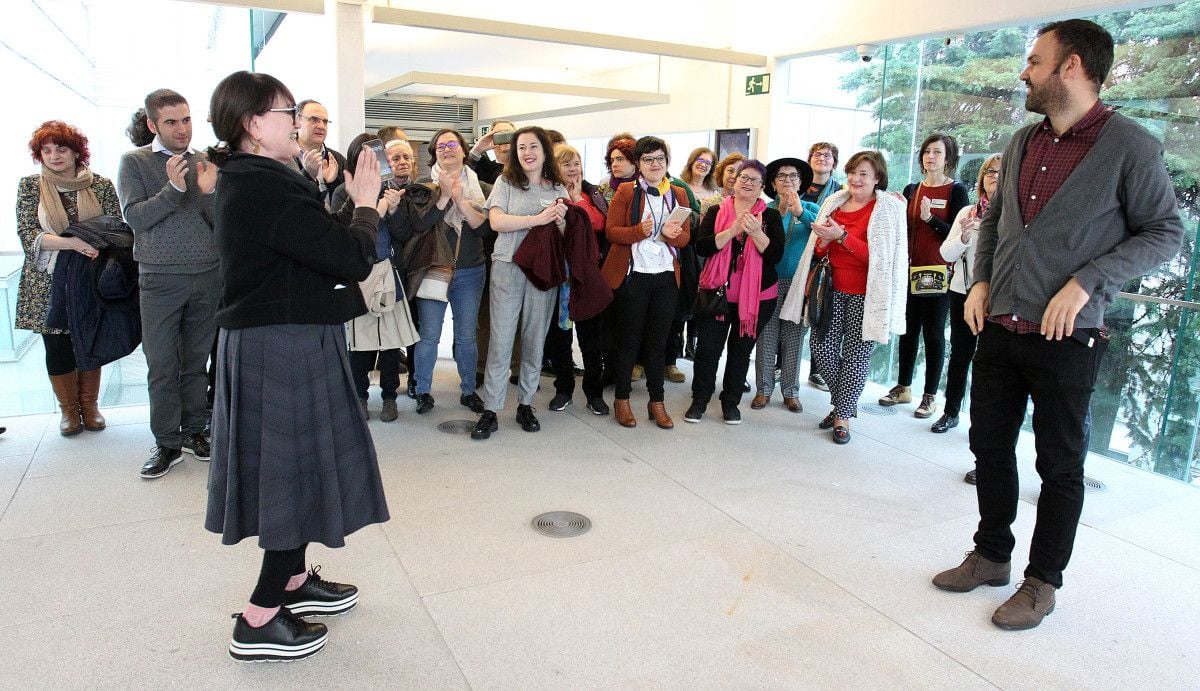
(711,302)
(818,296)
(435,285)
(928,280)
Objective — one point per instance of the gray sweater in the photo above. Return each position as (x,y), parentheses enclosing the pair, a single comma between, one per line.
(172,230)
(1115,218)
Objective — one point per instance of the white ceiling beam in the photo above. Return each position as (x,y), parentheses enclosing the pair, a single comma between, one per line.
(304,6)
(466,81)
(529,32)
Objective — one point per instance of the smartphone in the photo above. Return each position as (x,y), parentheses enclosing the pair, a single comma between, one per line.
(502,137)
(385,168)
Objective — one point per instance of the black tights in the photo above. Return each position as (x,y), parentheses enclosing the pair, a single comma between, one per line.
(60,355)
(278,567)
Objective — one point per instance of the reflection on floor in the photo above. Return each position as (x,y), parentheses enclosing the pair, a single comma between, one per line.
(760,555)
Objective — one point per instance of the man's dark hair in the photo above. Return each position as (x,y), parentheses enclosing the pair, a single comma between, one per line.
(648,145)
(556,137)
(387,134)
(515,175)
(304,104)
(157,100)
(1090,41)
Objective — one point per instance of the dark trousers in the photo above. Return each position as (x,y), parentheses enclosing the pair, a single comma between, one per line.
(645,306)
(590,333)
(716,336)
(278,567)
(363,361)
(674,343)
(962,349)
(924,317)
(1059,376)
(60,354)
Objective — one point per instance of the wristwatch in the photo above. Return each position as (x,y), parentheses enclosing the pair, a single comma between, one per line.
(842,240)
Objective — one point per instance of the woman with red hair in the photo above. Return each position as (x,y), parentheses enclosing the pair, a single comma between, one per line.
(65,192)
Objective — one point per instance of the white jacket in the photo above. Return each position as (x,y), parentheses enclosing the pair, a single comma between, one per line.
(387,323)
(887,269)
(961,256)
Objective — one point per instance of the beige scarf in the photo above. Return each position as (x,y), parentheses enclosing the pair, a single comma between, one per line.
(52,216)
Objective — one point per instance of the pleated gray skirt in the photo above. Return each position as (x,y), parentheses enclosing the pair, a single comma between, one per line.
(292,459)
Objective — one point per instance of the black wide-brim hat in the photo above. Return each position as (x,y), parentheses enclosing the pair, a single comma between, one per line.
(805,170)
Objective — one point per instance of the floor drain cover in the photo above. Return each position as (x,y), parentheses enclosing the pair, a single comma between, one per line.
(876,409)
(457,426)
(561,524)
(1093,485)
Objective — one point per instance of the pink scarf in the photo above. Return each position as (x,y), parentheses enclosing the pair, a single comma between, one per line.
(716,270)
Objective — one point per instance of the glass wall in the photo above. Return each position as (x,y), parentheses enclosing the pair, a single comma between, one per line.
(1146,406)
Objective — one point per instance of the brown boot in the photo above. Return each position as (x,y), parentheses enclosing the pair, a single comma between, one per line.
(1027,607)
(658,413)
(89,397)
(976,570)
(66,390)
(624,413)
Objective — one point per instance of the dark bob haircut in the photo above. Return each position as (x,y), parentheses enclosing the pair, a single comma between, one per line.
(236,99)
(648,145)
(59,132)
(951,151)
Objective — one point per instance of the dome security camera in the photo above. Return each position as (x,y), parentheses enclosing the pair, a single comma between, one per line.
(866,51)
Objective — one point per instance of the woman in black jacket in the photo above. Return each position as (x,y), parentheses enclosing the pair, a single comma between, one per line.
(292,460)
(743,239)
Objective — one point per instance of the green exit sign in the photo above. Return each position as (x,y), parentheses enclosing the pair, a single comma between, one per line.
(758,84)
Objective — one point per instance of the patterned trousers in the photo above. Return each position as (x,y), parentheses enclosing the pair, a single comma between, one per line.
(843,356)
(786,339)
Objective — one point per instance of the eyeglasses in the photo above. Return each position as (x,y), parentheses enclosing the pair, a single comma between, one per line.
(704,161)
(447,146)
(314,120)
(290,111)
(991,173)
(822,154)
(747,180)
(654,160)
(793,177)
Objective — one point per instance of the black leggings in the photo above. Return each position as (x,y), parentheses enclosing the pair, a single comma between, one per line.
(278,567)
(60,356)
(924,317)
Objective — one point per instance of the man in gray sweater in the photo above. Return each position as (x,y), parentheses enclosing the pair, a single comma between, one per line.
(166,196)
(1085,204)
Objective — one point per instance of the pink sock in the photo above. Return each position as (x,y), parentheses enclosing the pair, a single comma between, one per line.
(257,616)
(296,581)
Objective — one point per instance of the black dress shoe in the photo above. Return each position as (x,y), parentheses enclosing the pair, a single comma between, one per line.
(486,426)
(841,434)
(945,422)
(598,406)
(560,402)
(827,423)
(286,637)
(969,478)
(412,388)
(473,402)
(424,403)
(198,446)
(318,597)
(527,420)
(160,462)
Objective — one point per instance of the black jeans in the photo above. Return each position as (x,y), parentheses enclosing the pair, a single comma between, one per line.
(590,333)
(716,336)
(1059,376)
(644,309)
(962,349)
(363,361)
(924,317)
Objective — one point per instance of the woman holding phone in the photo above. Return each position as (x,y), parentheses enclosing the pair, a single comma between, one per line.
(530,193)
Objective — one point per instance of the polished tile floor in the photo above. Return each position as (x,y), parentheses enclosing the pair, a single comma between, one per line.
(753,556)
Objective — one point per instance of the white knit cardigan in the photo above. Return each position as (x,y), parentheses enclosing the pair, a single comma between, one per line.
(887,268)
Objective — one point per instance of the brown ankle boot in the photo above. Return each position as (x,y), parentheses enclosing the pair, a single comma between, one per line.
(624,413)
(658,413)
(89,397)
(66,390)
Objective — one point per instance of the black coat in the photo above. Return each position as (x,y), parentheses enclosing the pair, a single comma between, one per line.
(97,299)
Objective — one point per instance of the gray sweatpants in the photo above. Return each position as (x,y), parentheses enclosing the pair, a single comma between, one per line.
(179,321)
(512,298)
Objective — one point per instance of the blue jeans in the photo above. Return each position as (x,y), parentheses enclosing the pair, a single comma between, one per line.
(465,290)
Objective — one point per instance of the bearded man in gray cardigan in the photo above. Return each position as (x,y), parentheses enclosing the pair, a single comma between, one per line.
(166,196)
(1085,204)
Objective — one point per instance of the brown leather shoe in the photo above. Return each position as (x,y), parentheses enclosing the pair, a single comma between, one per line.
(66,390)
(624,413)
(760,401)
(89,397)
(674,374)
(658,413)
(976,570)
(1027,607)
(793,405)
